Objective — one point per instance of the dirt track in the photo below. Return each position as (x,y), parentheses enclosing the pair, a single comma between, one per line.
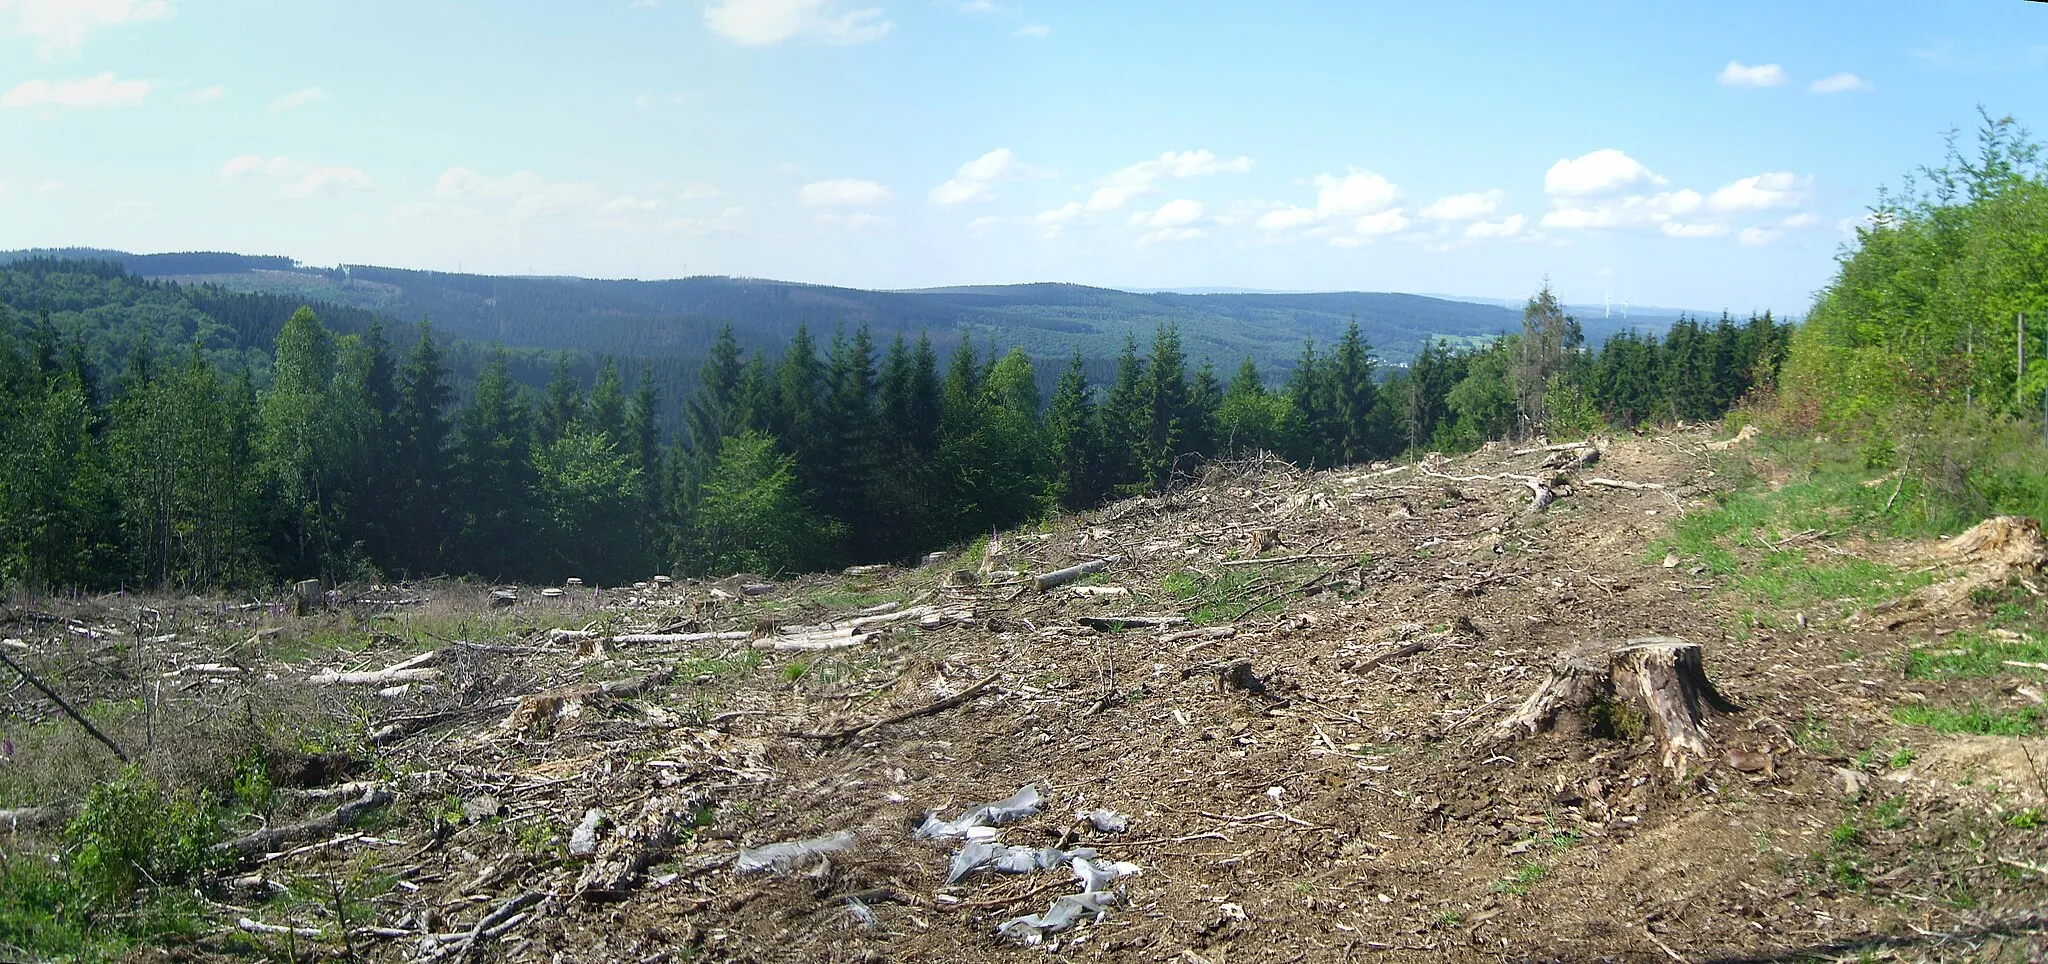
(1357,807)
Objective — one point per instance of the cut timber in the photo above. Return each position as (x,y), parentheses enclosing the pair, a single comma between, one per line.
(1060,577)
(658,638)
(412,669)
(1660,677)
(1748,432)
(813,644)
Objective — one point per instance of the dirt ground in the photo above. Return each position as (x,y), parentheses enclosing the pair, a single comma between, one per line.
(1354,802)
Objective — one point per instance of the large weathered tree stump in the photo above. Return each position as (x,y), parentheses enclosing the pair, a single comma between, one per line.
(309,596)
(1655,683)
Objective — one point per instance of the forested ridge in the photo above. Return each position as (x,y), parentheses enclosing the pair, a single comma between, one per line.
(151,441)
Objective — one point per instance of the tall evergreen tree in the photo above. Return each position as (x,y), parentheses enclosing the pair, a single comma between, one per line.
(423,465)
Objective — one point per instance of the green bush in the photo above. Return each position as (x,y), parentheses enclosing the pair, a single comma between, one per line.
(131,835)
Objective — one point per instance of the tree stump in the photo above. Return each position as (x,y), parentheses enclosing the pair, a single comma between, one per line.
(309,596)
(1656,683)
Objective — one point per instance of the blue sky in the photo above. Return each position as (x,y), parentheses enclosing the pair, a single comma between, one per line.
(1698,156)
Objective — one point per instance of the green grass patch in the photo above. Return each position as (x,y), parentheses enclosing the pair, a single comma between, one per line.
(1975,655)
(1209,600)
(1524,876)
(1792,578)
(1980,720)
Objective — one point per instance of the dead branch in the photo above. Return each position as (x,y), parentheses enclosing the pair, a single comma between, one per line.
(76,717)
(840,736)
(1632,486)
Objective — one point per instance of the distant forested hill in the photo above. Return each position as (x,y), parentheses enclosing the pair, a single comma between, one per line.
(680,318)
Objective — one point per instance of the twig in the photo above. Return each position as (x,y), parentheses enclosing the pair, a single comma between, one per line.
(66,707)
(1261,604)
(1661,945)
(839,736)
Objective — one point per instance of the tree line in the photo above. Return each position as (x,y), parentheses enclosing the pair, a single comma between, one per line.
(346,456)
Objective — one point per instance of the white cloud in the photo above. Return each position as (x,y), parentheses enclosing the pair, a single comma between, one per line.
(1033,30)
(842,191)
(1841,83)
(1287,217)
(100,90)
(1762,192)
(1144,176)
(1604,171)
(300,98)
(1463,207)
(295,179)
(1702,229)
(531,195)
(975,178)
(1384,222)
(1737,74)
(1057,219)
(1172,214)
(61,26)
(1801,221)
(1171,234)
(1757,236)
(1506,227)
(205,95)
(1636,211)
(1359,192)
(761,22)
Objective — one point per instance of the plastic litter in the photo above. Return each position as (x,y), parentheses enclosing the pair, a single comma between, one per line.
(1107,821)
(861,912)
(1064,912)
(1010,860)
(1026,802)
(1098,874)
(782,857)
(583,842)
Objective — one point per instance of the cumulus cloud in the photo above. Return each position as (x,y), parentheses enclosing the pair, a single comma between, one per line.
(1635,211)
(1463,207)
(1841,83)
(1778,189)
(1171,234)
(205,95)
(300,98)
(1605,171)
(756,23)
(1057,219)
(1506,227)
(1701,229)
(100,90)
(629,204)
(1034,31)
(1172,214)
(1144,176)
(61,26)
(975,180)
(1383,222)
(1286,217)
(841,192)
(1737,74)
(1359,192)
(295,179)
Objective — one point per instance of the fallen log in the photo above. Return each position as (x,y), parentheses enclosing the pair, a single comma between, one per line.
(76,717)
(382,677)
(1654,683)
(666,638)
(31,818)
(249,847)
(1060,577)
(812,644)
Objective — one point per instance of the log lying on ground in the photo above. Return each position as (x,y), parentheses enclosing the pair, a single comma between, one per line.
(1113,623)
(824,642)
(1659,677)
(1625,484)
(255,845)
(1992,553)
(30,818)
(1060,577)
(415,668)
